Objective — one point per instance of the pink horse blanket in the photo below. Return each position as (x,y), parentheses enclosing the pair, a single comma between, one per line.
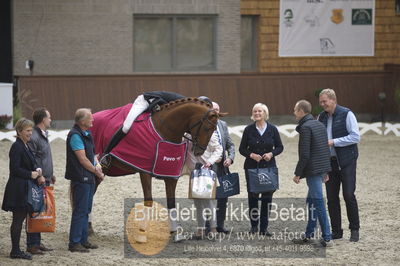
(142,148)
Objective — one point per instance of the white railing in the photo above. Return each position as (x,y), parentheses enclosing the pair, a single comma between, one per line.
(288,130)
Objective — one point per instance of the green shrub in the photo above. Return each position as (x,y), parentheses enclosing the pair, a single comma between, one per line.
(397,96)
(17,113)
(317,109)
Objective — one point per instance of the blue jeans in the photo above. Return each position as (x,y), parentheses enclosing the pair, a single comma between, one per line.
(316,208)
(82,197)
(33,239)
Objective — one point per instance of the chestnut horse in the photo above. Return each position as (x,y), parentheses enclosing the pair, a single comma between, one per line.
(172,121)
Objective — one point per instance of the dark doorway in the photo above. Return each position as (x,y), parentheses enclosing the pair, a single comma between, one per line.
(5,44)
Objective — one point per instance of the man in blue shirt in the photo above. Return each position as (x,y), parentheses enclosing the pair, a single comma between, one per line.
(82,168)
(343,137)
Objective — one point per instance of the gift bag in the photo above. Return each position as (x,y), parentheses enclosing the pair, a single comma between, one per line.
(202,184)
(35,196)
(263,179)
(229,185)
(44,221)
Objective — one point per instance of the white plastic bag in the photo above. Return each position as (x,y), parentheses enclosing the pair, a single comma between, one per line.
(203,184)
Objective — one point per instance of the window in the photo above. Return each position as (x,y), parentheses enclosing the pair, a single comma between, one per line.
(397,7)
(248,45)
(174,43)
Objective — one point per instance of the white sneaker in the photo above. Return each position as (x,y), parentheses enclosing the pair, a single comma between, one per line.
(305,241)
(326,244)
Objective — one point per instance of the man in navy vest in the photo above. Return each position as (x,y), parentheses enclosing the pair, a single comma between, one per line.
(82,168)
(343,136)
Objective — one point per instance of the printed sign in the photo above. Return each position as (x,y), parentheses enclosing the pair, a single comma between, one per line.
(326,28)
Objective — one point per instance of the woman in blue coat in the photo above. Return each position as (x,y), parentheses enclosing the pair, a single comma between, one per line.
(22,168)
(260,144)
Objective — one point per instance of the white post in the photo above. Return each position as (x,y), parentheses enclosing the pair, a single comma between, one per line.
(6,101)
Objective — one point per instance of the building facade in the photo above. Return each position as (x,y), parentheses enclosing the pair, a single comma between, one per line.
(101,54)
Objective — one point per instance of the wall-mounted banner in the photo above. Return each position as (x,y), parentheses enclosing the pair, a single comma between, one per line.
(326,28)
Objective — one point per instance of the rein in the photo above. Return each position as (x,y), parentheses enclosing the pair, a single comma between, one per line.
(194,138)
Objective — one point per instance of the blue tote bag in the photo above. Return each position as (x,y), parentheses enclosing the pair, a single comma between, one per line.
(35,197)
(229,185)
(263,179)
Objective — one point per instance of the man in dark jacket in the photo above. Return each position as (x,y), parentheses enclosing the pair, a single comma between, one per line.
(313,164)
(343,137)
(222,167)
(40,146)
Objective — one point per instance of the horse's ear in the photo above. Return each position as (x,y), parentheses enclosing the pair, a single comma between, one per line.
(222,114)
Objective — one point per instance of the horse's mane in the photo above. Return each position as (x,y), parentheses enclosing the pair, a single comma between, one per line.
(182,101)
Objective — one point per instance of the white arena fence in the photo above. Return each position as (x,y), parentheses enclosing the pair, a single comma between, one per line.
(287,130)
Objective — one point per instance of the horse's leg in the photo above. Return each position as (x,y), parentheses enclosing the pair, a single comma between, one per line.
(145,179)
(144,222)
(170,186)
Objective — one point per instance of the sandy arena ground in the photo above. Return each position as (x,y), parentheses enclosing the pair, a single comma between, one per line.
(378,194)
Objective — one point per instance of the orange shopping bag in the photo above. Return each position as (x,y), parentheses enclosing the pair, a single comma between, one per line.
(46,220)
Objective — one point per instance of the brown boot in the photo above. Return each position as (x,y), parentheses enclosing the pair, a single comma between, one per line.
(35,250)
(43,248)
(90,229)
(89,245)
(78,248)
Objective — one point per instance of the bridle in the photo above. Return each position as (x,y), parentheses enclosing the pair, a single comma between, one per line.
(195,138)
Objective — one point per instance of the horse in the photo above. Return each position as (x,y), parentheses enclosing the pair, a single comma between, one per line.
(171,121)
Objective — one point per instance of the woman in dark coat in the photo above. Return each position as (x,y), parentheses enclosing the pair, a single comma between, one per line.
(260,144)
(22,168)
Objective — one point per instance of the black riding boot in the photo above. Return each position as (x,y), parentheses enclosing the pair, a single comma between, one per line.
(116,138)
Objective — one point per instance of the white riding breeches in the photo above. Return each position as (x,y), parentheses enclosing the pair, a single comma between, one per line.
(138,107)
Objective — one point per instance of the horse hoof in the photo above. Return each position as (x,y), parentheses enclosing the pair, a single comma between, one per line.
(141,237)
(178,238)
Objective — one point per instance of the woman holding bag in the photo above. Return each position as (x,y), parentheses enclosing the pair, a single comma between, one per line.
(212,155)
(22,169)
(260,144)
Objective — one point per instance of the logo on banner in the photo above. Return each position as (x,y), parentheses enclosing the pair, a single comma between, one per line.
(337,16)
(361,16)
(288,15)
(327,46)
(312,20)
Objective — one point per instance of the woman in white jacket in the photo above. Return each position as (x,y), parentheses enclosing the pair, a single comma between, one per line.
(212,155)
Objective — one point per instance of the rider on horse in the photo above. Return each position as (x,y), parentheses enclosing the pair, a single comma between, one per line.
(147,101)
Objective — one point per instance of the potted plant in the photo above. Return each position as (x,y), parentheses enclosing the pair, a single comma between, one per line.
(4,120)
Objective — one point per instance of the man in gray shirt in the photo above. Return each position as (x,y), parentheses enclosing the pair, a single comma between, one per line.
(40,146)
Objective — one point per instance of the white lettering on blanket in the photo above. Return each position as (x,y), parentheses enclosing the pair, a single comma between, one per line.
(172,159)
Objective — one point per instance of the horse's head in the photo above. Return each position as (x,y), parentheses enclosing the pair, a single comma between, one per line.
(187,115)
(202,130)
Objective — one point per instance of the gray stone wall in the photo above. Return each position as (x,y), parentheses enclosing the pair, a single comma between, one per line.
(82,37)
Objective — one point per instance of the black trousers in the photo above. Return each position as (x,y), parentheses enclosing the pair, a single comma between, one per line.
(221,212)
(16,228)
(347,177)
